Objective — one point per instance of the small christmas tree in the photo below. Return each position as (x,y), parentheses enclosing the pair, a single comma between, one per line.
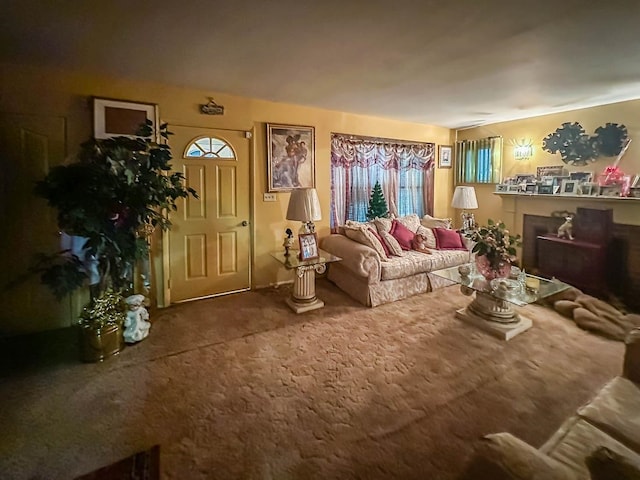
(377,204)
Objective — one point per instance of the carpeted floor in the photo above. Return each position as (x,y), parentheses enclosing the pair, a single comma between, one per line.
(241,387)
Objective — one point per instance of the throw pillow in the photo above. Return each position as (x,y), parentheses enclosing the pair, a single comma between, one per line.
(402,234)
(383,224)
(428,234)
(384,245)
(412,221)
(448,239)
(392,244)
(433,222)
(362,234)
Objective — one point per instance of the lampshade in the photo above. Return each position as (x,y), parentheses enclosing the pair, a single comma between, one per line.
(465,198)
(304,205)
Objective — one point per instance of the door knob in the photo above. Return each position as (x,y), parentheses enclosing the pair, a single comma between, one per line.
(244,223)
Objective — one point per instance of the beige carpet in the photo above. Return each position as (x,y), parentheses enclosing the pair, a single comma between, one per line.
(240,387)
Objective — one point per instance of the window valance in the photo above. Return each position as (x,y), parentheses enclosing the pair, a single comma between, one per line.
(348,151)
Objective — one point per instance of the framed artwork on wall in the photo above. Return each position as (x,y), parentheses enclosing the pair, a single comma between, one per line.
(445,152)
(308,246)
(290,157)
(117,118)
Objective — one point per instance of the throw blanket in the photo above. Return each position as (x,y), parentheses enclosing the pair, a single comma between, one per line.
(593,314)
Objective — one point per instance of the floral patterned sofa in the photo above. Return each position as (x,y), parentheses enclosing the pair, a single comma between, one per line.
(375,275)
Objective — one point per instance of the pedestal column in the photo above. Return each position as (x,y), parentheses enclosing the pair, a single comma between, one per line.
(303,298)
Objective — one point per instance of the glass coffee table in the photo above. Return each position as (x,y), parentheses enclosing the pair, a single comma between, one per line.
(303,297)
(492,308)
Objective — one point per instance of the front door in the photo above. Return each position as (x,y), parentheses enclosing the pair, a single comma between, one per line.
(209,241)
(29,147)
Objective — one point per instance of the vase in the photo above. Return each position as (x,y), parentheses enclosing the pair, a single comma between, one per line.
(489,271)
(98,344)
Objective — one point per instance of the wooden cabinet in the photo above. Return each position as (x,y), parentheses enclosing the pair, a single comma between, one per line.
(576,262)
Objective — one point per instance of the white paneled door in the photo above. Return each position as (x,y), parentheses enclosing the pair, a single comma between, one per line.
(209,242)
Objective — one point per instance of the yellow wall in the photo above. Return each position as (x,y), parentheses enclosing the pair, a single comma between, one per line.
(510,209)
(48,92)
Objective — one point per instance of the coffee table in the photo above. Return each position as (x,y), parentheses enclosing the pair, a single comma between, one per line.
(492,308)
(303,297)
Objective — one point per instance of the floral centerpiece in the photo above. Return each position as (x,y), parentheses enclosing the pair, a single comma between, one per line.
(495,249)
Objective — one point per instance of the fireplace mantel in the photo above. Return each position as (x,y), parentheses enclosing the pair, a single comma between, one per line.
(626,210)
(579,198)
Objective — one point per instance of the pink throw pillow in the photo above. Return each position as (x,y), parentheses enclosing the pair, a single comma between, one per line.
(448,239)
(382,242)
(402,234)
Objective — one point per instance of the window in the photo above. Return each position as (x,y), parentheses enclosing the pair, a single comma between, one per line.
(479,161)
(403,169)
(209,147)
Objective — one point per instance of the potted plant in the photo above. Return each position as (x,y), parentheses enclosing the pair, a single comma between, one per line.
(495,249)
(109,201)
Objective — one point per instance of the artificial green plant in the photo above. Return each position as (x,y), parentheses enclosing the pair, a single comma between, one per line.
(114,195)
(377,204)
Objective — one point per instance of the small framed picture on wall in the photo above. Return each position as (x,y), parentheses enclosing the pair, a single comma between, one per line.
(445,154)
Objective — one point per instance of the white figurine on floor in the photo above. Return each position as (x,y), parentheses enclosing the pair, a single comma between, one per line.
(136,325)
(566,229)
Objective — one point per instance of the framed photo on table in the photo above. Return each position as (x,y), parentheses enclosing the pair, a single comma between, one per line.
(118,118)
(308,246)
(445,154)
(291,160)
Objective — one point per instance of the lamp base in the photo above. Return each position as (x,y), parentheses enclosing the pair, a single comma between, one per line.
(468,221)
(307,227)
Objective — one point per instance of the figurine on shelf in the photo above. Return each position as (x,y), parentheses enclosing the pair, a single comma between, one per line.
(566,229)
(288,241)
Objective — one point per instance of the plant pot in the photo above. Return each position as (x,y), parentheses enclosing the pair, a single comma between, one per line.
(98,344)
(490,272)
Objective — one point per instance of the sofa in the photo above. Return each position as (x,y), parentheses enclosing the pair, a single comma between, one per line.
(600,441)
(376,269)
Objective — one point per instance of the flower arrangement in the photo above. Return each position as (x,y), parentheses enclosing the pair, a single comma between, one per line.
(495,243)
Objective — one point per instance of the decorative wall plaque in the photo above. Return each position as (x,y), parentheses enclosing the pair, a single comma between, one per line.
(212,108)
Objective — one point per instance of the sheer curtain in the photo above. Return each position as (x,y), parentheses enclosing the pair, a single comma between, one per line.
(479,161)
(404,170)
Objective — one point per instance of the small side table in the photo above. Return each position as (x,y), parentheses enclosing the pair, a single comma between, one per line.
(303,298)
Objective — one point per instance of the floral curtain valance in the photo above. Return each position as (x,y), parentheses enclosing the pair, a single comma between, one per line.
(349,151)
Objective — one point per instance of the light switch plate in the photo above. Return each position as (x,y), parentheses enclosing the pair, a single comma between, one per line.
(269,197)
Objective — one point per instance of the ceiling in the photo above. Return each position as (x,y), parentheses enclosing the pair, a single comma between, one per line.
(457,63)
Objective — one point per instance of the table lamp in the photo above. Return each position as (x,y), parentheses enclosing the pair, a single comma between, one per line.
(465,199)
(304,207)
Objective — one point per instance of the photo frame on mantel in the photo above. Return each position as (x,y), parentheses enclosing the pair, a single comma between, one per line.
(291,160)
(118,118)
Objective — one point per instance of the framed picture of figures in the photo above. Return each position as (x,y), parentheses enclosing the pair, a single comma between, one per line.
(291,159)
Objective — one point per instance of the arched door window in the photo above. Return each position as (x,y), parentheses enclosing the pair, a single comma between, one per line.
(210,147)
